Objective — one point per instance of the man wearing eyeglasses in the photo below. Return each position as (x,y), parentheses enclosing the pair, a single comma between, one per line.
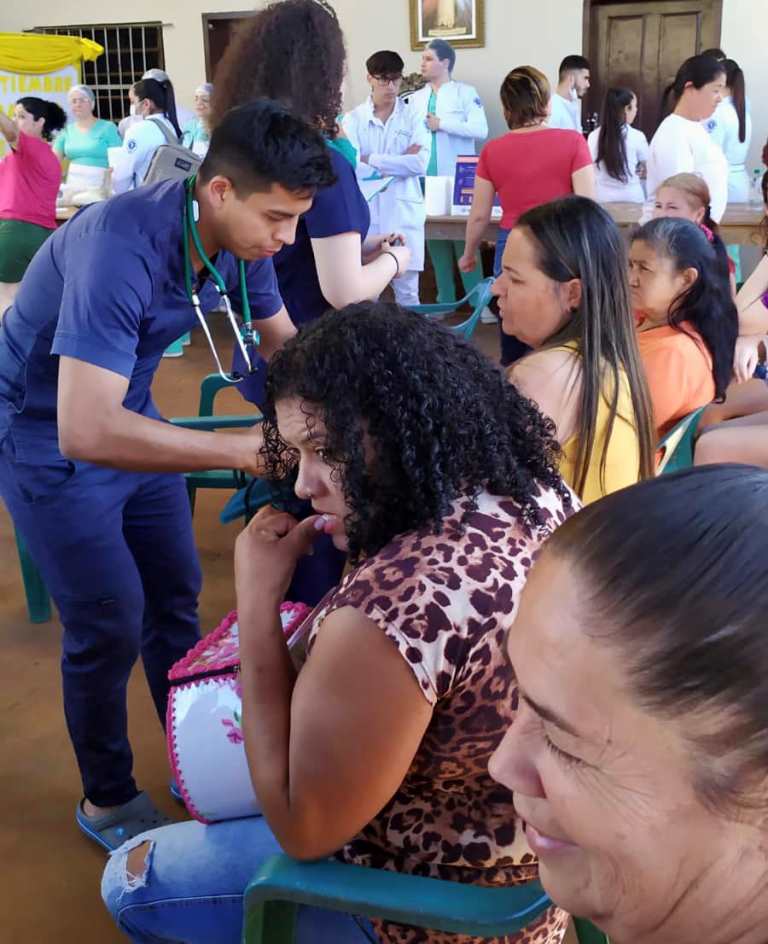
(391,140)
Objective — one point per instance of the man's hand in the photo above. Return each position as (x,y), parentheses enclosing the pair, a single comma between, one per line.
(251,460)
(413,149)
(433,122)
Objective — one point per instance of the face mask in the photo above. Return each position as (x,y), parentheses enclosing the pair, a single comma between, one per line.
(135,110)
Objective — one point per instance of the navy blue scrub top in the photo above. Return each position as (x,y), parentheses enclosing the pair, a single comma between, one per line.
(108,289)
(340,208)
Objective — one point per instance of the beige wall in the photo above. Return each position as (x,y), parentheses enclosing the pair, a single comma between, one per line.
(517,32)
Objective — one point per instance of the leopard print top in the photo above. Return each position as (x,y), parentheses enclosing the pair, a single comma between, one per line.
(446,601)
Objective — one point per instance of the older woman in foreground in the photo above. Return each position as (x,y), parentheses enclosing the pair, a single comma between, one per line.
(639,754)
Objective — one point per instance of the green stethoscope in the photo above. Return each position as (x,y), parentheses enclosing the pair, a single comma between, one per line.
(246,334)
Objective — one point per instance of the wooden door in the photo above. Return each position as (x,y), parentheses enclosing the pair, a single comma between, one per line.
(218,30)
(641,45)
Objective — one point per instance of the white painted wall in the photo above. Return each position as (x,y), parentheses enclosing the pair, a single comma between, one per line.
(517,32)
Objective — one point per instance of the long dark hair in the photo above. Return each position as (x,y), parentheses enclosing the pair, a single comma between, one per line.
(291,51)
(612,139)
(576,238)
(698,70)
(54,115)
(707,305)
(414,418)
(734,79)
(674,573)
(162,97)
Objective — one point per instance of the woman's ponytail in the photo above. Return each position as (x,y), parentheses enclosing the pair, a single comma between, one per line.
(170,106)
(734,79)
(53,115)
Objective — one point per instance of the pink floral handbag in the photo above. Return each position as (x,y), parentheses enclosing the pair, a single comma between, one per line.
(205,740)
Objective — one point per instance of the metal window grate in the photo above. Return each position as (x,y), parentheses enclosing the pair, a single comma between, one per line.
(129,50)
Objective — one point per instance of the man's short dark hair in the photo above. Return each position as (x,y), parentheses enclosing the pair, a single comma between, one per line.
(261,144)
(572,64)
(444,50)
(385,63)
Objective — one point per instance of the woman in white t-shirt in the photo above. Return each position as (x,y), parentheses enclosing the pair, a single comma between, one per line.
(731,128)
(681,145)
(155,103)
(619,151)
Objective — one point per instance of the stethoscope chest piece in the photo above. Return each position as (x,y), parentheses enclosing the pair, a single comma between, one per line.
(245,335)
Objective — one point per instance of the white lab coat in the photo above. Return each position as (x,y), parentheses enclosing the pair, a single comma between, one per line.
(462,121)
(723,129)
(565,114)
(683,146)
(400,208)
(132,162)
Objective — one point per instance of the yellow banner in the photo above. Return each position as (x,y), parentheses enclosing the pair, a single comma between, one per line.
(44,66)
(39,53)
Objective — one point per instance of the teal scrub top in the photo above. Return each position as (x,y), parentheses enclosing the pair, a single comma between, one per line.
(87,147)
(193,132)
(432,166)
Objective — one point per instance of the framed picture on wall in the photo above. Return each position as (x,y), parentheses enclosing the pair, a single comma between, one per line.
(461,22)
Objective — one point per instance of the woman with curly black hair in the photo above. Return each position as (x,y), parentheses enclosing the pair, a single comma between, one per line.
(293,51)
(440,480)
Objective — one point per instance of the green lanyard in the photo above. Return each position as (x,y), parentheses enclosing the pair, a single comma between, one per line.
(245,335)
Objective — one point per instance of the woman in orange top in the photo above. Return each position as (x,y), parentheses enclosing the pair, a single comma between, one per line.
(687,320)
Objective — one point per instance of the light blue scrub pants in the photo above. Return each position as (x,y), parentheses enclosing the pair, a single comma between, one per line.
(192,889)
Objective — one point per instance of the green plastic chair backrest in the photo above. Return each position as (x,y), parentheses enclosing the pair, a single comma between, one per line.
(282,883)
(676,448)
(480,295)
(208,390)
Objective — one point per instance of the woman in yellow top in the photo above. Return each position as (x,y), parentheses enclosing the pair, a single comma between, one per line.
(563,290)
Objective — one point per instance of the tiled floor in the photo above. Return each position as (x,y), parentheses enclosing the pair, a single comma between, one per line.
(50,877)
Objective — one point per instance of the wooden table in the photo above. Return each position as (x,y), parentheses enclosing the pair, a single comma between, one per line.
(64,213)
(741,223)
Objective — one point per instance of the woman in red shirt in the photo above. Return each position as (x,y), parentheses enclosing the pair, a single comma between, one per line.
(530,165)
(29,182)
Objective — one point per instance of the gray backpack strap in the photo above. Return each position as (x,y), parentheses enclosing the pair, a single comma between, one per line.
(168,133)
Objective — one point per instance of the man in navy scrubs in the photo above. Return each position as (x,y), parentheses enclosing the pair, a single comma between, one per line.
(88,470)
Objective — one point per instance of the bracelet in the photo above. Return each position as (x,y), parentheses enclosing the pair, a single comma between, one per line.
(387,252)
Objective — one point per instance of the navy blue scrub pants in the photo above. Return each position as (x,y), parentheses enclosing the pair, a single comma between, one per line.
(116,551)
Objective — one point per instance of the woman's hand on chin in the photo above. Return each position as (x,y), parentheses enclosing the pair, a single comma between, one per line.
(267,551)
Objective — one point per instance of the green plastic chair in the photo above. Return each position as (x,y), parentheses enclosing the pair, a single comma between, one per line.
(35,591)
(283,883)
(478,298)
(676,448)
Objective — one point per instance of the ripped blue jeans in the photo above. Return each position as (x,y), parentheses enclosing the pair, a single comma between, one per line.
(191,888)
